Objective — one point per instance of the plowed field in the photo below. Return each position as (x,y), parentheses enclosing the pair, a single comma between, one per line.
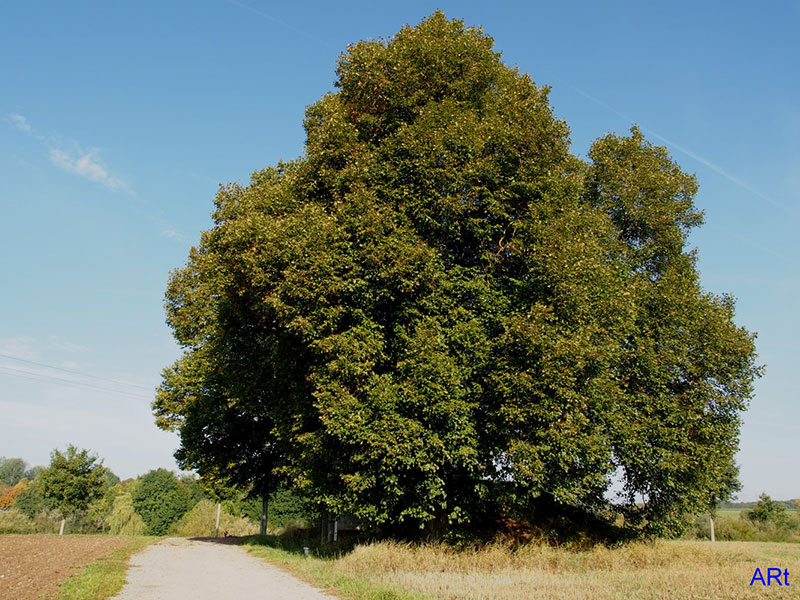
(33,566)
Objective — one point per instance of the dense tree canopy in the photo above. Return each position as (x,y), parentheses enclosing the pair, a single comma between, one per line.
(160,499)
(72,481)
(439,308)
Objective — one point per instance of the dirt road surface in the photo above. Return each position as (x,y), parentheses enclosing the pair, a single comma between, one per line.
(183,569)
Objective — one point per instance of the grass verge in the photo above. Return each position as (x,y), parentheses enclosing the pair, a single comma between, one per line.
(104,578)
(323,572)
(674,570)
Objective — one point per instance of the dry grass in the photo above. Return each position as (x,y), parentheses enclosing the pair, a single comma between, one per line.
(201,522)
(663,570)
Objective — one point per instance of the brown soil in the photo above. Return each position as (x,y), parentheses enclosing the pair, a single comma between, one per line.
(34,566)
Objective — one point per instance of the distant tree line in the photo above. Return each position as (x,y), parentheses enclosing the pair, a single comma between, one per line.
(766,520)
(786,504)
(78,490)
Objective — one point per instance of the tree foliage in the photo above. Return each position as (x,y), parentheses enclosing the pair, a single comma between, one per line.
(160,499)
(768,511)
(439,308)
(29,501)
(8,496)
(72,482)
(11,471)
(123,520)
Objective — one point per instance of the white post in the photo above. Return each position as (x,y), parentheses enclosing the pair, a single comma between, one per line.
(264,507)
(61,531)
(335,528)
(219,508)
(711,521)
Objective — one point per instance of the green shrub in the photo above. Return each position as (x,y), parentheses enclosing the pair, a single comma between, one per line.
(160,499)
(47,521)
(768,512)
(733,530)
(29,501)
(201,522)
(288,508)
(745,530)
(123,520)
(13,521)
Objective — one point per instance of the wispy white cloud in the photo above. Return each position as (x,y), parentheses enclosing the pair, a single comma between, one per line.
(22,346)
(19,121)
(69,156)
(60,344)
(27,347)
(86,164)
(172,233)
(167,230)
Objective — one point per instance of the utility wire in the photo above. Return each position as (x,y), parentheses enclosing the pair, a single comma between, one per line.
(4,370)
(32,362)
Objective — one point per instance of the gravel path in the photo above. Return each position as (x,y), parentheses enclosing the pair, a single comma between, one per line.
(182,569)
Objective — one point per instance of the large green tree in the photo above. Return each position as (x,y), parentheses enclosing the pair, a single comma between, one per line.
(439,308)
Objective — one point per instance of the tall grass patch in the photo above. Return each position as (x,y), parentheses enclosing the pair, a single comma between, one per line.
(201,522)
(637,571)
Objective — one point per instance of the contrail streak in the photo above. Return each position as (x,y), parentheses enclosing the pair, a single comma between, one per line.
(716,168)
(283,24)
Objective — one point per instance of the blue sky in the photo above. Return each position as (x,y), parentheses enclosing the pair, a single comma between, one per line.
(119,120)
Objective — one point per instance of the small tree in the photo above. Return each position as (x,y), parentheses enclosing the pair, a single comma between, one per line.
(768,511)
(160,499)
(73,480)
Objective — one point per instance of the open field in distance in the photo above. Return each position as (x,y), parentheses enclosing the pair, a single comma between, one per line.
(736,513)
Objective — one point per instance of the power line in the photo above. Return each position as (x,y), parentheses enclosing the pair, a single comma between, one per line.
(32,362)
(4,370)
